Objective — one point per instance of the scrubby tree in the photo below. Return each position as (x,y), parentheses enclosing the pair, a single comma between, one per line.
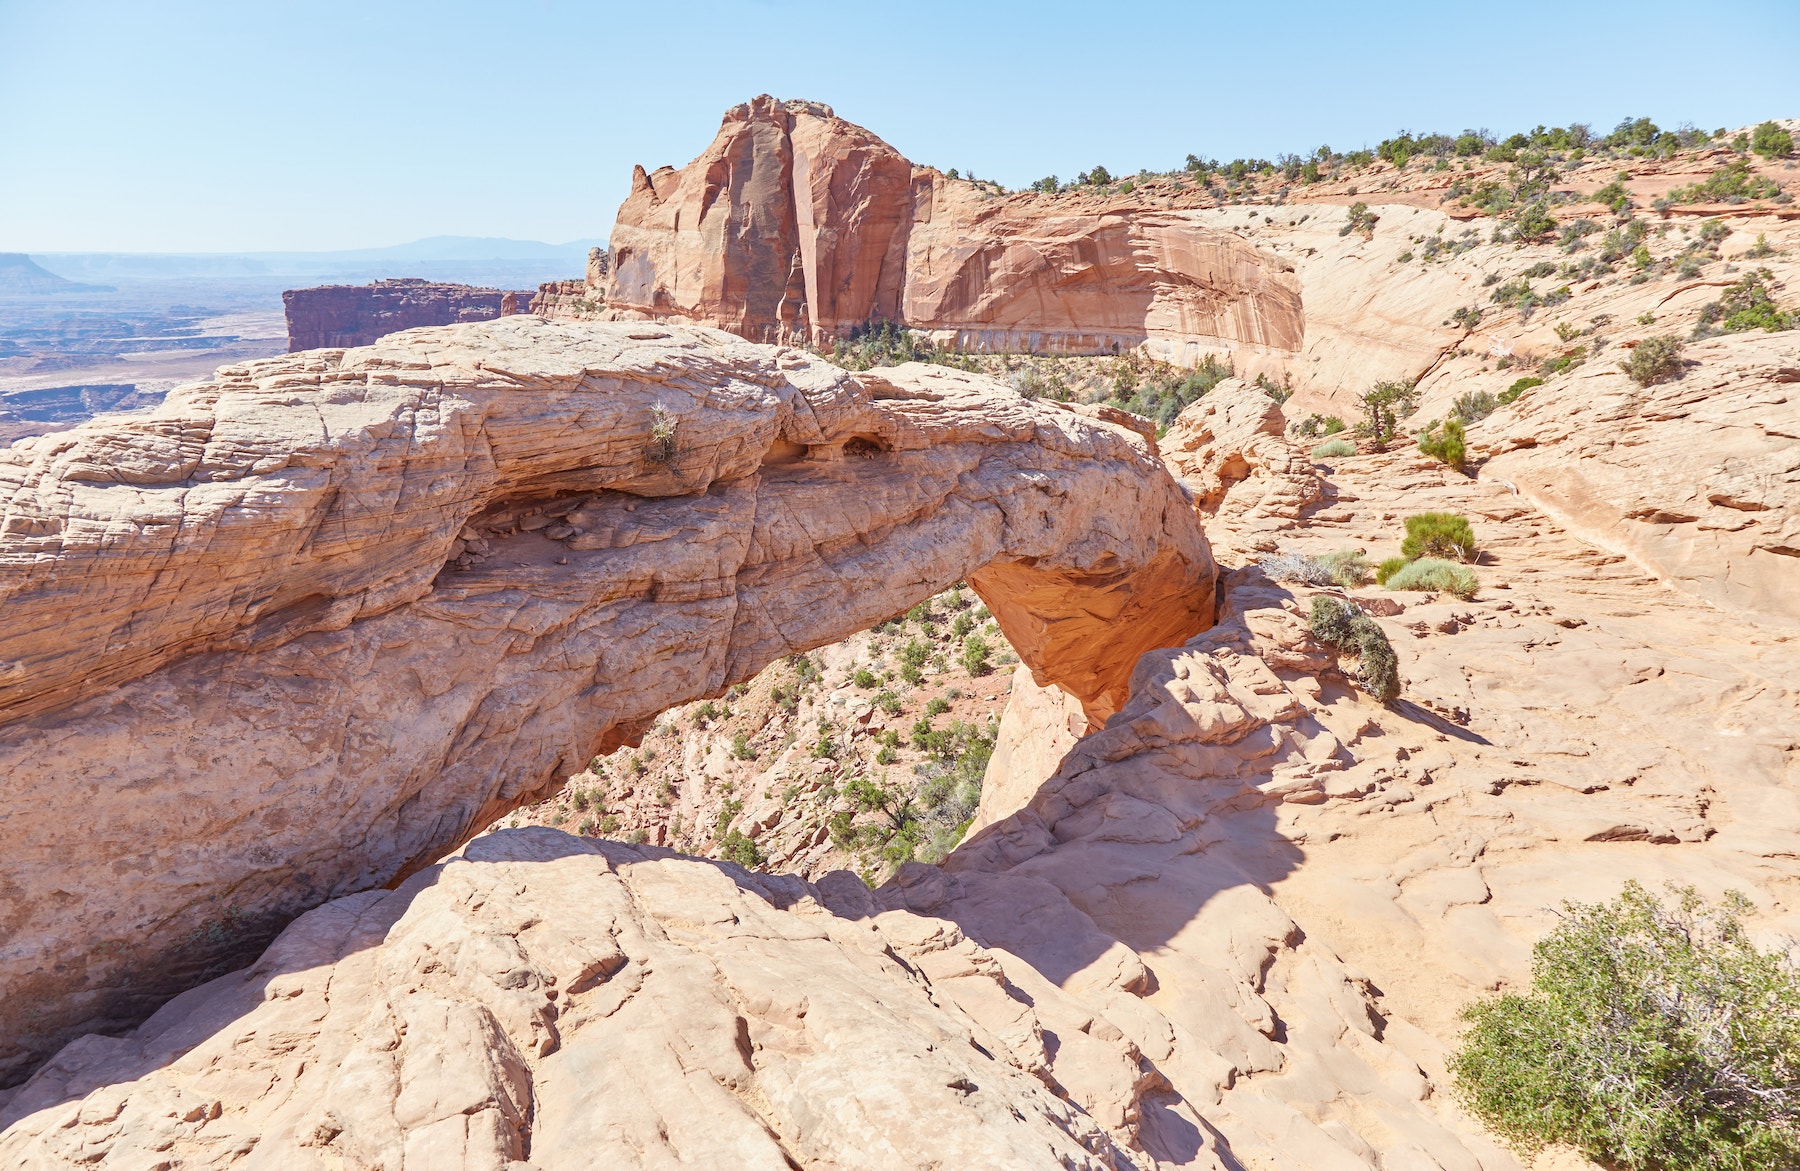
(1655,1036)
(1771,141)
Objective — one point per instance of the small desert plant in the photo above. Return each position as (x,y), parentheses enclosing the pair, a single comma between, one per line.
(1654,1036)
(1446,442)
(1316,425)
(1343,567)
(1745,305)
(1361,220)
(740,848)
(1429,573)
(1296,567)
(888,702)
(1348,567)
(1511,394)
(741,749)
(1385,404)
(1654,359)
(1334,449)
(975,655)
(1474,406)
(661,448)
(1348,629)
(1438,534)
(864,678)
(1771,141)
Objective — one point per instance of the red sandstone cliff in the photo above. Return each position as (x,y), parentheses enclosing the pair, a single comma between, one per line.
(796,223)
(792,223)
(340,316)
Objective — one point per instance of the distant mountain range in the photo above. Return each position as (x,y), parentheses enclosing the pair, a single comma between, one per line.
(20,274)
(435,257)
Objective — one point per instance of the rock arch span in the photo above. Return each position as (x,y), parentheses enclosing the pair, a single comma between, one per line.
(309,626)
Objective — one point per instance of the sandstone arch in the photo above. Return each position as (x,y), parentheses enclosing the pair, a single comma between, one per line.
(309,626)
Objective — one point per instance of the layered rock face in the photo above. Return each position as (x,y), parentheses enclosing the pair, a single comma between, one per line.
(1026,276)
(1697,478)
(797,224)
(307,627)
(793,223)
(355,315)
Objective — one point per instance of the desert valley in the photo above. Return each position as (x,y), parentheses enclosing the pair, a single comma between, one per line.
(882,671)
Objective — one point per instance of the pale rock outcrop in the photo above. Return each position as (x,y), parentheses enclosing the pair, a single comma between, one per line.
(1039,727)
(306,628)
(553,1001)
(1233,928)
(1251,483)
(1695,478)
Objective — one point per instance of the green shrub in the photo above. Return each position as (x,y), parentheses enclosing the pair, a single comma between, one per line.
(740,748)
(888,702)
(1334,449)
(1771,142)
(1445,441)
(1438,534)
(1384,405)
(937,707)
(1511,394)
(1732,183)
(1347,628)
(1653,1037)
(864,679)
(1745,305)
(1614,196)
(1563,363)
(1389,567)
(975,655)
(1474,406)
(742,849)
(1315,425)
(1654,359)
(1361,220)
(1428,573)
(1533,222)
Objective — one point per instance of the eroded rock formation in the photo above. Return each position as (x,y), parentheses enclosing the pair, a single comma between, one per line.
(792,224)
(1695,478)
(355,315)
(797,224)
(307,627)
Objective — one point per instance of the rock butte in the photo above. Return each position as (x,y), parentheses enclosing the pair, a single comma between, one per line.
(1231,926)
(355,315)
(410,587)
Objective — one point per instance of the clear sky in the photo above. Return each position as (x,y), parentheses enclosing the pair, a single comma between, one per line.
(268,124)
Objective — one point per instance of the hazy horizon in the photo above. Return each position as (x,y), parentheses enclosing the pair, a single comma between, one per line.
(216,128)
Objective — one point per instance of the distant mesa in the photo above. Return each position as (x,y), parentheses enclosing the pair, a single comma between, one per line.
(19,274)
(342,316)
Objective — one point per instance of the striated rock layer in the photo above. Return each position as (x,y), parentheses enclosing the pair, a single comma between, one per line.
(306,628)
(355,315)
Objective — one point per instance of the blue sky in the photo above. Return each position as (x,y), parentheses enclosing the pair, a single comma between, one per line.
(267,124)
